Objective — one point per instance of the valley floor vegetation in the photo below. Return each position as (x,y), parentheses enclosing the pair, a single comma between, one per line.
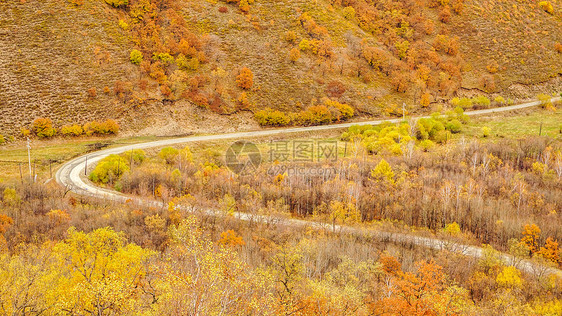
(65,254)
(62,255)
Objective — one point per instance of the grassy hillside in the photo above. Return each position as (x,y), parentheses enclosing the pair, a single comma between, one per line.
(70,60)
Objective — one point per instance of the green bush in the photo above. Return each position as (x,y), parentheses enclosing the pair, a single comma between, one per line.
(2,140)
(464,103)
(135,155)
(435,129)
(169,154)
(545,100)
(136,57)
(164,58)
(426,144)
(109,169)
(454,126)
(481,100)
(43,127)
(486,131)
(442,136)
(385,137)
(421,132)
(427,124)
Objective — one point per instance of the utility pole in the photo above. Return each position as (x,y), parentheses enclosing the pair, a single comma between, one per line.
(29,157)
(86,167)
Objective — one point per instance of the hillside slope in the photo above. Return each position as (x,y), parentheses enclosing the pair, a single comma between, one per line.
(70,59)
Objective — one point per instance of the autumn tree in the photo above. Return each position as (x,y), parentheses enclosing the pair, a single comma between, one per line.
(5,222)
(231,238)
(102,272)
(30,281)
(550,251)
(530,239)
(109,169)
(198,277)
(136,57)
(294,54)
(245,79)
(43,127)
(383,171)
(425,99)
(169,154)
(423,292)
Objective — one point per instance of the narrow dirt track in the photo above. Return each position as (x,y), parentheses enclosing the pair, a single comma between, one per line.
(69,176)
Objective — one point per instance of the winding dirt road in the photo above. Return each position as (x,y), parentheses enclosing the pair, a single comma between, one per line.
(70,176)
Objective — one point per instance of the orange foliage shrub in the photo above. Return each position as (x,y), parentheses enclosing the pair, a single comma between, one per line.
(400,82)
(445,14)
(390,264)
(92,93)
(492,67)
(43,127)
(550,251)
(312,27)
(231,238)
(107,127)
(245,79)
(166,91)
(294,54)
(558,47)
(425,100)
(118,87)
(458,6)
(530,239)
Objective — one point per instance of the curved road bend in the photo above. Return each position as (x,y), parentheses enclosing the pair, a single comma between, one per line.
(69,176)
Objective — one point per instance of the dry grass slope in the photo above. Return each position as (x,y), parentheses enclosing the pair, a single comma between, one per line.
(56,60)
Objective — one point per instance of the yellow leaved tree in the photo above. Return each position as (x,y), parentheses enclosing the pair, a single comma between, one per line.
(199,277)
(96,273)
(101,273)
(26,280)
(383,171)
